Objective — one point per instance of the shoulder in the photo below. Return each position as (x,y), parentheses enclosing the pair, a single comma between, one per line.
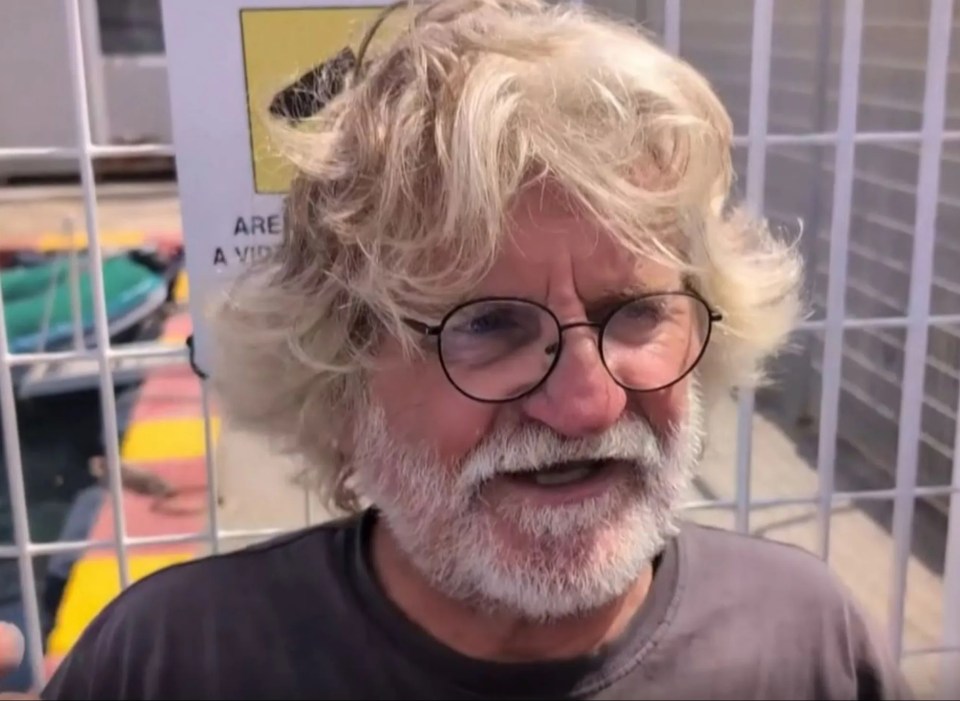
(777,599)
(265,569)
(196,616)
(751,565)
(753,578)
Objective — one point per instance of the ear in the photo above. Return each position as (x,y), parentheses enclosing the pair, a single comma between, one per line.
(344,445)
(344,496)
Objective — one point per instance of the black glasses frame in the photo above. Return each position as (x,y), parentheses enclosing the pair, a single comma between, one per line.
(436,331)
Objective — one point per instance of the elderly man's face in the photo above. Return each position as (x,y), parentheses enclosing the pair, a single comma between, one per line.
(553,503)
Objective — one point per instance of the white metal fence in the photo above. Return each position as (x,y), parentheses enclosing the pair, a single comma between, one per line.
(844,139)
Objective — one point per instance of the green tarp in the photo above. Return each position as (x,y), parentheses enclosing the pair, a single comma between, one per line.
(27,295)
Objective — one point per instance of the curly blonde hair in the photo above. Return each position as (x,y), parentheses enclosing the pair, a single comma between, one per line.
(404,185)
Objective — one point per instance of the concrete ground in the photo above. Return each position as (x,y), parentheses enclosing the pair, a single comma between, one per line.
(259,492)
(27,212)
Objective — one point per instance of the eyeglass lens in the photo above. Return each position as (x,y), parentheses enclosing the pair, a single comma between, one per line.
(496,350)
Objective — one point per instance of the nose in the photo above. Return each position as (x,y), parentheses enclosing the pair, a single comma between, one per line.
(579,398)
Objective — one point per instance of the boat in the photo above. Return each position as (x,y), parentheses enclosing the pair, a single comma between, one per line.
(41,304)
(48,306)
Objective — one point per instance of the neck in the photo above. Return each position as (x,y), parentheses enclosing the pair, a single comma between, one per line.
(497,637)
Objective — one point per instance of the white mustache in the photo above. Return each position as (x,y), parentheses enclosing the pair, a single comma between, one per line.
(534,447)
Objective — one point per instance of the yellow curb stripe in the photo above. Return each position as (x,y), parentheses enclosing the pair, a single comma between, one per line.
(167,439)
(94,583)
(181,288)
(51,242)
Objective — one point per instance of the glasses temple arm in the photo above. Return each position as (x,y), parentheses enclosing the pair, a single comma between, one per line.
(421,327)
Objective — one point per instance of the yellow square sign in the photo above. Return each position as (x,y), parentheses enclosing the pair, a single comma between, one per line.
(279,46)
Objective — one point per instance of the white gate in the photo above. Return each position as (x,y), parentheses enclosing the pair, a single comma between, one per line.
(924,337)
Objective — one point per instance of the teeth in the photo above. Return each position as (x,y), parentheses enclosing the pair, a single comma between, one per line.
(554,478)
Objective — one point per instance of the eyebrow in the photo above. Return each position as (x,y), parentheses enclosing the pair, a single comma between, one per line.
(620,294)
(611,297)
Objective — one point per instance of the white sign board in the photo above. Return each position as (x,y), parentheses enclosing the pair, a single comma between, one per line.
(225,60)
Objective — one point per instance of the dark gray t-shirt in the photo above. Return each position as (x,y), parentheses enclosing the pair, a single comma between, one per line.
(303,617)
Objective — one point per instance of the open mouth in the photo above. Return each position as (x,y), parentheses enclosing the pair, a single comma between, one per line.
(563,474)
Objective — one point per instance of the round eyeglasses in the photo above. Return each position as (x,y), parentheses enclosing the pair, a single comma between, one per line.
(499,349)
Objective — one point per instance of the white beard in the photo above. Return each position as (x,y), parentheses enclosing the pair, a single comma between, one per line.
(574,557)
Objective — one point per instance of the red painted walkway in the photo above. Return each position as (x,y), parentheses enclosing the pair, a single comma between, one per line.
(166,436)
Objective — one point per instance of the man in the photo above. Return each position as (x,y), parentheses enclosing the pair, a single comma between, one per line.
(510,285)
